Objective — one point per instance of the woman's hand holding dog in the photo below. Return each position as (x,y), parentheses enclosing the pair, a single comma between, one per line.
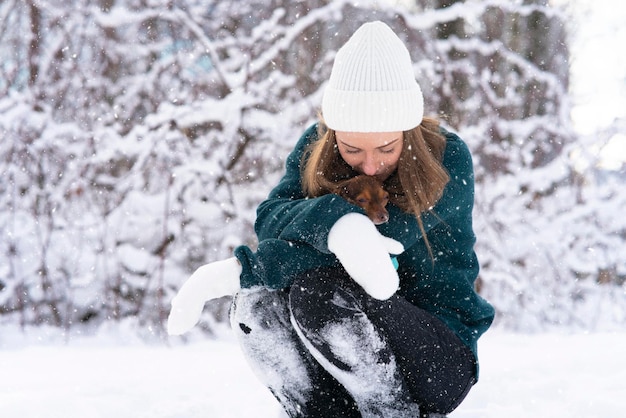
(211,281)
(364,253)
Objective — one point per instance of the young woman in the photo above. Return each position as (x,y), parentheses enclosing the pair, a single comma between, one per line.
(338,317)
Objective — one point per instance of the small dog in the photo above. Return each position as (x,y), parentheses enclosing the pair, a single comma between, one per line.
(367,193)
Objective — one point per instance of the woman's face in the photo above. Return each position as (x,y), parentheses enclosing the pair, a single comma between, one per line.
(372,153)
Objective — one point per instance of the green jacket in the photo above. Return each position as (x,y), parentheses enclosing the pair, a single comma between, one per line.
(293,234)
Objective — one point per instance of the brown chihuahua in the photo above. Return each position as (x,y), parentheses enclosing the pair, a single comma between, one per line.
(367,193)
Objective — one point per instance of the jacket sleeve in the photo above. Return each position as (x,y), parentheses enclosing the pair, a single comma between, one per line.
(289,215)
(292,229)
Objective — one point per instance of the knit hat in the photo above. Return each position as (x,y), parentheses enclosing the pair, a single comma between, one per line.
(372,86)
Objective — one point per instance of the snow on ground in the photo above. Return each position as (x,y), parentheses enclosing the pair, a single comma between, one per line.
(112,375)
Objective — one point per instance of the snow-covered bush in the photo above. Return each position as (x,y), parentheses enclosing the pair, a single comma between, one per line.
(137,139)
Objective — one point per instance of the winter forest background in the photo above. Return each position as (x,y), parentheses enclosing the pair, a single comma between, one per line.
(138,136)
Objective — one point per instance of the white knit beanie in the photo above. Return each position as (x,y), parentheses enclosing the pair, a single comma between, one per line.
(372,86)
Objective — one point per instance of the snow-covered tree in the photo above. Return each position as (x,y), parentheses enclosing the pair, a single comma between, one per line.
(157,127)
(139,136)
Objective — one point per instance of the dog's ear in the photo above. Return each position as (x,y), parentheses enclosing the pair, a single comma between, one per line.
(349,189)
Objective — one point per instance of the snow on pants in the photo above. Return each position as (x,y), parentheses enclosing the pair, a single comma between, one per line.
(325,348)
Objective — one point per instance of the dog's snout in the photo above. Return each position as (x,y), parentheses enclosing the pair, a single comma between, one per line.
(381,218)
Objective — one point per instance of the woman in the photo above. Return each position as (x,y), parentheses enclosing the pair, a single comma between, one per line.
(325,319)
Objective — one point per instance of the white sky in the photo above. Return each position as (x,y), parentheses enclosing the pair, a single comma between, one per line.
(598,62)
(598,71)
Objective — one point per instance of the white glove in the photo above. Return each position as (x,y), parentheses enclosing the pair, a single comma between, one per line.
(364,253)
(211,281)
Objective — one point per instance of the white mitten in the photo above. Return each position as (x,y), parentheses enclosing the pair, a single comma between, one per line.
(211,281)
(364,253)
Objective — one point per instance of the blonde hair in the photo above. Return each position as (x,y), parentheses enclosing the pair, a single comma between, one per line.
(416,186)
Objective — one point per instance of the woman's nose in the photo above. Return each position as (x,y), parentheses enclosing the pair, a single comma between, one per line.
(370,166)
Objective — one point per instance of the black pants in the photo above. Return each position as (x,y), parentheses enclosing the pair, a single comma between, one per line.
(326,349)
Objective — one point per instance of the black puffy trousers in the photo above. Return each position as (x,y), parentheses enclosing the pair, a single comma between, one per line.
(325,348)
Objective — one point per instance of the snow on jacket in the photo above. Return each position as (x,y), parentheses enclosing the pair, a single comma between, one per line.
(293,234)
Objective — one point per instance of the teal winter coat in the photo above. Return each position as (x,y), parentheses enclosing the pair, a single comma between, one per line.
(293,232)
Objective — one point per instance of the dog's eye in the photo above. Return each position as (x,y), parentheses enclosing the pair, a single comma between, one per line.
(362,200)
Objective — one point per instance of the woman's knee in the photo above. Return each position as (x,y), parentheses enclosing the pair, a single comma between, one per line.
(322,296)
(259,307)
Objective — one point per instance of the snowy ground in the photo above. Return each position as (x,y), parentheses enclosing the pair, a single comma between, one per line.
(112,375)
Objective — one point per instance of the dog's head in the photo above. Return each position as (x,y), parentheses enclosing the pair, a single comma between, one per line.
(367,193)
